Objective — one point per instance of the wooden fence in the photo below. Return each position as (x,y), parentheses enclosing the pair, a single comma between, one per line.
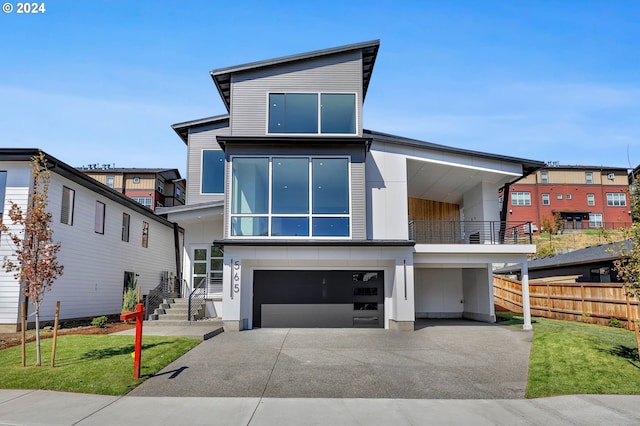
(594,303)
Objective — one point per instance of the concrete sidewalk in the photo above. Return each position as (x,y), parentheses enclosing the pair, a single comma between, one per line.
(23,407)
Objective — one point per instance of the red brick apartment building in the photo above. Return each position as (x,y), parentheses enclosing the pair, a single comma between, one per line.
(584,197)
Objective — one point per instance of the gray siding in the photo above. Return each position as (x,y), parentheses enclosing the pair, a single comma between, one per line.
(335,73)
(358,202)
(199,139)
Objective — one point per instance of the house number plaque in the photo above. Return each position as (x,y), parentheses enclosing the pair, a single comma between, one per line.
(235,277)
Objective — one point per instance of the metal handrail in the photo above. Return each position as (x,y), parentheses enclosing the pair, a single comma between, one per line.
(158,294)
(470,232)
(199,293)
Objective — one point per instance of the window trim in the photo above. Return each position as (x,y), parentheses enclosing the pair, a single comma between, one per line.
(319,118)
(310,215)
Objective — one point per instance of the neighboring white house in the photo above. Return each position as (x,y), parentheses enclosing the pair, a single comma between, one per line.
(104,235)
(296,216)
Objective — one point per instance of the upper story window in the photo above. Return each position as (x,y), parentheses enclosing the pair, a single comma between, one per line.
(545,200)
(591,200)
(212,171)
(312,113)
(66,212)
(160,186)
(290,197)
(145,201)
(588,177)
(544,176)
(126,220)
(110,181)
(98,226)
(616,199)
(520,198)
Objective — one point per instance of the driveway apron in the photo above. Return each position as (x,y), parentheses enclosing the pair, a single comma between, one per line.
(441,359)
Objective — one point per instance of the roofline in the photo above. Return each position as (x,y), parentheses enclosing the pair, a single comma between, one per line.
(63,169)
(221,76)
(182,129)
(547,167)
(306,140)
(529,165)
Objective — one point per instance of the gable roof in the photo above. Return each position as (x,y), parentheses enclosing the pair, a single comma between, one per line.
(222,76)
(75,175)
(599,253)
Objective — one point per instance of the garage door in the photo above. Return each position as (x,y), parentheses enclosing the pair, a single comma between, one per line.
(304,299)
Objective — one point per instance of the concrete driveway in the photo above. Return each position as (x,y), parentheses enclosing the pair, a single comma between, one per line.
(441,359)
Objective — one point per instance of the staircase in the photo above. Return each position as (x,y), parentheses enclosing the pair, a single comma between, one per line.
(174,312)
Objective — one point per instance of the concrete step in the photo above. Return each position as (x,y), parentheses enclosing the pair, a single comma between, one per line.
(209,322)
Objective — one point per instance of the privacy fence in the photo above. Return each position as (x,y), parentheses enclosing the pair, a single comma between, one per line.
(595,303)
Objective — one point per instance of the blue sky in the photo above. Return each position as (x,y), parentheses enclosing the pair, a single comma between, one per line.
(102,81)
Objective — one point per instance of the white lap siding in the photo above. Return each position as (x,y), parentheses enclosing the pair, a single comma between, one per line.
(94,264)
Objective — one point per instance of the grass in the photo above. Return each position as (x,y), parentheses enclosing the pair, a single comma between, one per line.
(99,364)
(576,358)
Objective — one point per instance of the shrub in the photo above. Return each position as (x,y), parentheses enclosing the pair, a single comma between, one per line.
(615,322)
(99,322)
(544,251)
(130,300)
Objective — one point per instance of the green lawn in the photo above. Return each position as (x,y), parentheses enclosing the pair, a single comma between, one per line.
(100,364)
(576,358)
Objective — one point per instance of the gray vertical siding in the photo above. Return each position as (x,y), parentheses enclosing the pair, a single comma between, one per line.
(358,202)
(334,73)
(201,138)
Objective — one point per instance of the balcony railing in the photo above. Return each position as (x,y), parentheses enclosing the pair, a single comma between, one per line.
(470,232)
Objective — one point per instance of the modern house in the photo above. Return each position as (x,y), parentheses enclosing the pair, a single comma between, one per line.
(106,240)
(150,187)
(582,197)
(297,216)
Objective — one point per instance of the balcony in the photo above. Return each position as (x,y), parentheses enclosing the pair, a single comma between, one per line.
(470,232)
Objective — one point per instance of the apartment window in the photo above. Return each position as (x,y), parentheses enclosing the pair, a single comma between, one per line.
(126,220)
(595,220)
(591,199)
(99,218)
(290,197)
(178,193)
(160,186)
(616,199)
(568,196)
(588,176)
(110,181)
(312,113)
(145,201)
(559,196)
(544,176)
(212,172)
(66,213)
(520,198)
(545,200)
(145,234)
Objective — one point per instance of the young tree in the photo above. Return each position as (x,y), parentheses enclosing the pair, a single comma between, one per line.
(34,262)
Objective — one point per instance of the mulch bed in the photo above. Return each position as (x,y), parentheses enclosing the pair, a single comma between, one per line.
(8,340)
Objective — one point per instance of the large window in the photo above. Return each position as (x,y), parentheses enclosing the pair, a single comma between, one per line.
(595,220)
(312,113)
(66,212)
(520,198)
(616,199)
(212,171)
(290,197)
